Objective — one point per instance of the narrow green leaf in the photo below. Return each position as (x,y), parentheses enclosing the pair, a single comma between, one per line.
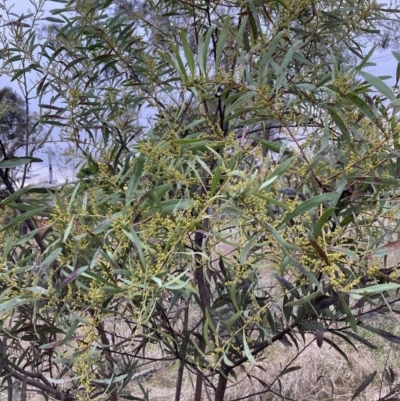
(272,146)
(246,249)
(210,322)
(73,276)
(396,55)
(23,71)
(176,204)
(308,204)
(16,195)
(188,53)
(22,217)
(281,168)
(134,181)
(233,293)
(325,79)
(285,245)
(267,57)
(97,278)
(382,333)
(360,339)
(341,125)
(102,226)
(374,289)
(70,332)
(51,107)
(7,249)
(365,59)
(245,97)
(194,124)
(396,103)
(362,106)
(305,299)
(68,229)
(221,41)
(253,19)
(215,181)
(367,381)
(179,63)
(18,161)
(106,3)
(267,185)
(204,44)
(175,64)
(54,19)
(289,55)
(289,370)
(136,241)
(247,350)
(37,290)
(74,62)
(272,201)
(233,319)
(322,220)
(227,361)
(341,185)
(206,335)
(287,284)
(14,303)
(379,85)
(348,312)
(337,348)
(344,337)
(73,196)
(51,257)
(241,31)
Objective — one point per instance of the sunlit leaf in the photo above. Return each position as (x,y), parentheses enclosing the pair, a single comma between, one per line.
(379,85)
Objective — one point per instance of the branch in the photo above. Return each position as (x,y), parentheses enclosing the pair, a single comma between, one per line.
(58,395)
(29,222)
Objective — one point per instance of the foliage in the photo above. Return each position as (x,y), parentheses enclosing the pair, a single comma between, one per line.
(13,118)
(20,135)
(239,190)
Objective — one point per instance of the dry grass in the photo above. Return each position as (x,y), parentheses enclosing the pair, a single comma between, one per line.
(324,374)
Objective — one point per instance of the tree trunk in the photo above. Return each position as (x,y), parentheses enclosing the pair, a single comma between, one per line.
(181,369)
(204,299)
(222,384)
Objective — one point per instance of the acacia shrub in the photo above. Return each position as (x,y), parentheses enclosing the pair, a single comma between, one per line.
(258,131)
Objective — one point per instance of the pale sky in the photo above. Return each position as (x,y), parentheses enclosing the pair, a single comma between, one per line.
(386,65)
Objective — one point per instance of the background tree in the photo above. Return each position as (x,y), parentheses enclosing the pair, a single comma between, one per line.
(20,134)
(13,119)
